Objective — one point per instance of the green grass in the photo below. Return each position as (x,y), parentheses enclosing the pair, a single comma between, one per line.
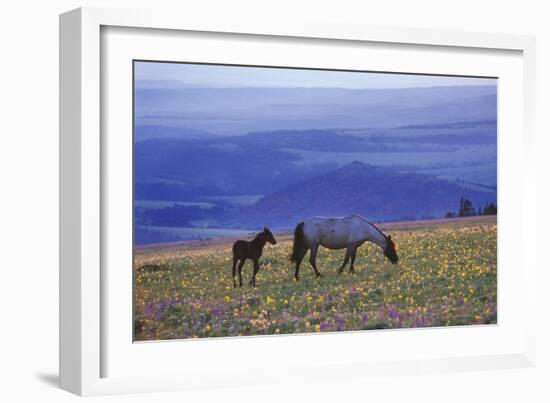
(446,276)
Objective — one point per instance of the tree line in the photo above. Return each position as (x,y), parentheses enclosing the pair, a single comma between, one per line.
(467,209)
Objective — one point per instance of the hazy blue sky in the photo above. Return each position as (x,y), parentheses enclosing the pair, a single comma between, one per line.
(236,76)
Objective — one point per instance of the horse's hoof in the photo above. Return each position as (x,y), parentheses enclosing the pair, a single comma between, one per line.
(319,275)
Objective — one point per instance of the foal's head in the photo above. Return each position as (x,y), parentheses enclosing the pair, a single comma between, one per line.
(268,236)
(389,250)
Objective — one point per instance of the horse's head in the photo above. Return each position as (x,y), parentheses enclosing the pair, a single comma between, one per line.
(269,236)
(389,250)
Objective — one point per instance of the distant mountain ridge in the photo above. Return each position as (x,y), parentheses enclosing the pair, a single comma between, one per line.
(146,132)
(375,192)
(173,168)
(235,111)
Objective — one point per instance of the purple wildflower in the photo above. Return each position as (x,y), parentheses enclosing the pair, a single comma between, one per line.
(149,311)
(420,321)
(324,326)
(219,310)
(340,322)
(394,313)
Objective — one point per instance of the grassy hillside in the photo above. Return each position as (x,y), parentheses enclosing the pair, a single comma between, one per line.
(446,276)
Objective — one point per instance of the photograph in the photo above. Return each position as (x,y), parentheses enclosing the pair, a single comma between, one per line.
(275,200)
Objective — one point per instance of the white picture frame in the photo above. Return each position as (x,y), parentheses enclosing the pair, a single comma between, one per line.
(84,174)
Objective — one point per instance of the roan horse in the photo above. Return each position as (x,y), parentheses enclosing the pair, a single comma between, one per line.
(348,232)
(243,250)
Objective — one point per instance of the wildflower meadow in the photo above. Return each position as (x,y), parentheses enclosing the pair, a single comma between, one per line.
(446,276)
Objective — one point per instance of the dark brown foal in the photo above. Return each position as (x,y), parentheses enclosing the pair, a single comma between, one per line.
(243,250)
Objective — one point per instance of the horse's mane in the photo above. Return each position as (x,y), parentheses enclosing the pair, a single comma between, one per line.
(368,222)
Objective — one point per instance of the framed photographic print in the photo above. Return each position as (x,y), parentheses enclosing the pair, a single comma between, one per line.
(277,165)
(236,196)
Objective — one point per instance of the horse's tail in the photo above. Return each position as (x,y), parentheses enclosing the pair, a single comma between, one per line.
(299,242)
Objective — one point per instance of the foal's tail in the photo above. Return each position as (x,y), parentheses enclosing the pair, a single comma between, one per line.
(299,243)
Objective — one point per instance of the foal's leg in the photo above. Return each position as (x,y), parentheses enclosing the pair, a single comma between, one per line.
(346,259)
(256,270)
(234,271)
(312,260)
(240,268)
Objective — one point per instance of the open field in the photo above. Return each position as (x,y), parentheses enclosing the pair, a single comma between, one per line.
(446,276)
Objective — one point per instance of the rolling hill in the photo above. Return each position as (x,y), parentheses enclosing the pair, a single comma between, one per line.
(375,192)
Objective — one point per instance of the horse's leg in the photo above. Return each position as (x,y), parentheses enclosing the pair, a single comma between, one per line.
(256,269)
(234,270)
(312,260)
(346,259)
(353,253)
(298,263)
(240,268)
